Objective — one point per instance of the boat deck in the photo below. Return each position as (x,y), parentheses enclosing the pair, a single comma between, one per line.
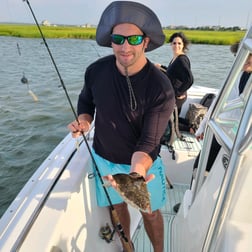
(185,154)
(140,238)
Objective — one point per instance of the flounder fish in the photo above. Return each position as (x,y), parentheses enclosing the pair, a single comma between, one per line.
(133,189)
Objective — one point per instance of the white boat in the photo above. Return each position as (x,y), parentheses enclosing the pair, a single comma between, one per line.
(56,210)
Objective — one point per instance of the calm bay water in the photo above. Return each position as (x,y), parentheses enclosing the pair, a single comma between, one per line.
(29,130)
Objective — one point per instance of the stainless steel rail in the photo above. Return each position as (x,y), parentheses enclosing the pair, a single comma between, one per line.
(237,149)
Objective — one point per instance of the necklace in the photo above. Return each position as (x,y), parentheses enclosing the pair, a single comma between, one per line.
(133,102)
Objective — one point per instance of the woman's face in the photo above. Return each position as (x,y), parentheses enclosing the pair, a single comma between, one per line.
(247,67)
(177,46)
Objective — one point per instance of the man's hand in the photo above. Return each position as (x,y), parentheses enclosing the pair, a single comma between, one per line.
(200,137)
(78,128)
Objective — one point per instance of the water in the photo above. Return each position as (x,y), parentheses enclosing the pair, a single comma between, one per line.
(29,130)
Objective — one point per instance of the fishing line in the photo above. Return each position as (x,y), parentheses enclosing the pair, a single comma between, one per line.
(113,211)
(96,50)
(25,81)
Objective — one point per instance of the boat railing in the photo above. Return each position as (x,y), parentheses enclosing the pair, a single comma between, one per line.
(239,149)
(228,188)
(50,172)
(216,122)
(41,202)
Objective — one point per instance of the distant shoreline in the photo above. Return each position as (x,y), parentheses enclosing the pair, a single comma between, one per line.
(75,32)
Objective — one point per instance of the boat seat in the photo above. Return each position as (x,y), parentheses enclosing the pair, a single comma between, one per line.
(185,153)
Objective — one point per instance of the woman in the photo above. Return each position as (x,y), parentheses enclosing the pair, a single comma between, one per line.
(179,69)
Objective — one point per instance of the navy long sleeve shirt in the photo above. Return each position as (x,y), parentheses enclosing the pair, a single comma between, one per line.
(119,132)
(180,74)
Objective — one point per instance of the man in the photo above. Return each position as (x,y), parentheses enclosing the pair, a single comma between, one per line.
(132,102)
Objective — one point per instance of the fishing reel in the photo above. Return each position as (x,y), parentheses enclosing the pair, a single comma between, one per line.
(106,233)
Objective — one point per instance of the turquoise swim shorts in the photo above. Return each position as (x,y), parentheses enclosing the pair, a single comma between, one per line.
(156,187)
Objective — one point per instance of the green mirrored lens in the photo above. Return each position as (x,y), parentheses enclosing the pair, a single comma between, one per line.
(135,39)
(118,39)
(132,40)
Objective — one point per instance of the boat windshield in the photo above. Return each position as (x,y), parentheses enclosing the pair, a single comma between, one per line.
(228,115)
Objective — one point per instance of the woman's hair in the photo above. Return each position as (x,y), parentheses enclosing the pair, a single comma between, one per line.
(183,37)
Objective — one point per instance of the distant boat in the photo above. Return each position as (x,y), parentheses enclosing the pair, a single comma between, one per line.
(56,210)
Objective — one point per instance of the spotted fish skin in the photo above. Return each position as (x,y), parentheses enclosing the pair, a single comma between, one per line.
(133,189)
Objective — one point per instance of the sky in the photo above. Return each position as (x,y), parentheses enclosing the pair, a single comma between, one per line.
(191,13)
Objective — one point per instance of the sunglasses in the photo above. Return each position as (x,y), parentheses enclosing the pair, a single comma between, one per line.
(132,40)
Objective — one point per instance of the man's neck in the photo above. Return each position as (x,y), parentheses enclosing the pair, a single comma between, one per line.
(132,69)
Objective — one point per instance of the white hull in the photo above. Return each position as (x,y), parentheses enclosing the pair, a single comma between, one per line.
(69,217)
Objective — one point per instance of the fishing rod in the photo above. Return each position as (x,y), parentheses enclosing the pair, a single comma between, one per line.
(113,211)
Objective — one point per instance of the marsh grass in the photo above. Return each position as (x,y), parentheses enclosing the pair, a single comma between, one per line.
(210,37)
(195,36)
(31,31)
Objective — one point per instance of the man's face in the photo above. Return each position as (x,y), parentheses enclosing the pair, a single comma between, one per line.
(127,54)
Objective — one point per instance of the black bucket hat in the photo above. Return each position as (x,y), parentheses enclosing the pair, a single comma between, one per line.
(119,12)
